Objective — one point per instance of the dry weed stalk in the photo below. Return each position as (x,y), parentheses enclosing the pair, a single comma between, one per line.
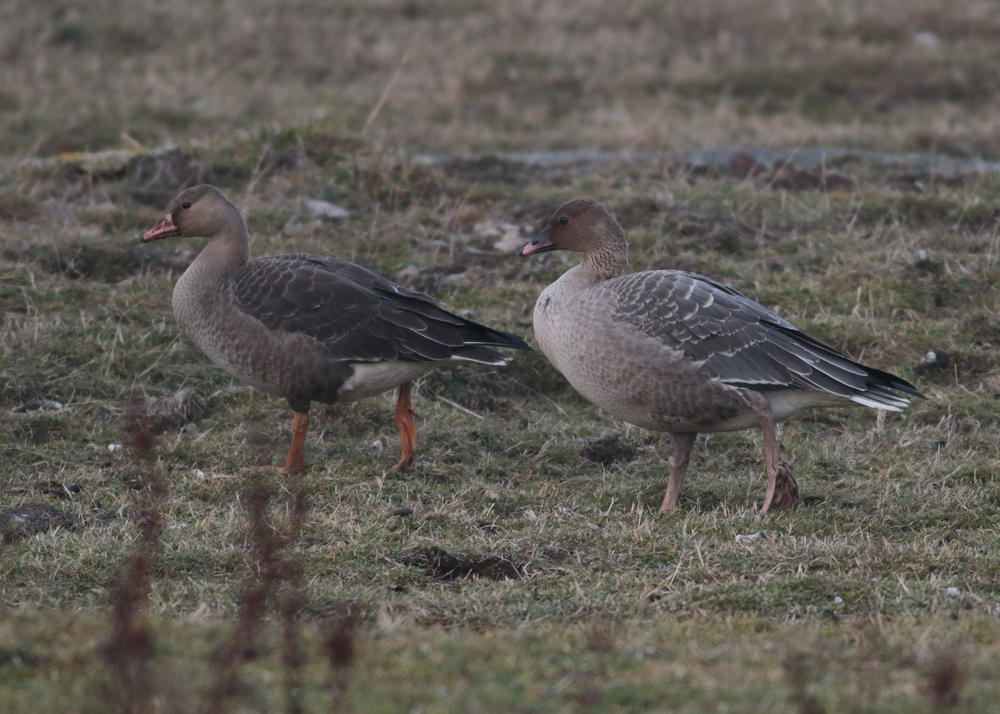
(794,665)
(274,565)
(340,647)
(294,599)
(129,688)
(945,677)
(259,586)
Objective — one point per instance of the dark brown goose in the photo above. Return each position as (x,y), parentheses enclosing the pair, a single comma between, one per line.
(310,327)
(680,353)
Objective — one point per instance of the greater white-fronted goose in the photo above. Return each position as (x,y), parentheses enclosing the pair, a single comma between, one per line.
(681,353)
(310,327)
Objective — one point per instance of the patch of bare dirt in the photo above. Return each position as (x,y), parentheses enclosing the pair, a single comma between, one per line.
(442,565)
(29,518)
(608,449)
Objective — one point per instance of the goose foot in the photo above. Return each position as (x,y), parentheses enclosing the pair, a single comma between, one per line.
(785,493)
(782,489)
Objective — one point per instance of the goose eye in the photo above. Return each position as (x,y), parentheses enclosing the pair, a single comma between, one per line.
(563,220)
(186,204)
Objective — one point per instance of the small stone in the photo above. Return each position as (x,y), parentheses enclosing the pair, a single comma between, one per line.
(402,511)
(952,592)
(114,448)
(933,361)
(838,600)
(324,209)
(37,404)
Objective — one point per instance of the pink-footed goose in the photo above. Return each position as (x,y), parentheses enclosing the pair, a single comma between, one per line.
(681,353)
(310,327)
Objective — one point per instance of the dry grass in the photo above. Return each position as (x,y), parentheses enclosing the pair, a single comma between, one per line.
(504,528)
(452,77)
(522,564)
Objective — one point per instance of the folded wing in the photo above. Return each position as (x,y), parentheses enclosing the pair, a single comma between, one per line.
(358,315)
(741,343)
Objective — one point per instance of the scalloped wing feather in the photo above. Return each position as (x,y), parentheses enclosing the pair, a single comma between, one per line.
(357,314)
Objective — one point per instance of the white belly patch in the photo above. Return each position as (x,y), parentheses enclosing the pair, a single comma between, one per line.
(374,378)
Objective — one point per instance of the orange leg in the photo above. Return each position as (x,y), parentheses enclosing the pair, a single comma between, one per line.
(782,490)
(407,429)
(683,444)
(295,459)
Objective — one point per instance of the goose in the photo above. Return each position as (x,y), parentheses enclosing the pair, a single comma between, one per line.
(680,353)
(311,327)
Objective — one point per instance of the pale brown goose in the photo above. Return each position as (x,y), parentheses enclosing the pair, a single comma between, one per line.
(310,327)
(681,353)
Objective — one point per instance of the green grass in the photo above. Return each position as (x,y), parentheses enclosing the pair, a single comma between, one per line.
(665,665)
(879,594)
(885,573)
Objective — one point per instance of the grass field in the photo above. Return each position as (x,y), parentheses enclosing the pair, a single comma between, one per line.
(522,565)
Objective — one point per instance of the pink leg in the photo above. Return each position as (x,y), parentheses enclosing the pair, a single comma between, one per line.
(407,429)
(683,444)
(782,490)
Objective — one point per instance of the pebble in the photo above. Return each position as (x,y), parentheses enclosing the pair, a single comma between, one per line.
(323,209)
(934,360)
(402,511)
(35,404)
(114,448)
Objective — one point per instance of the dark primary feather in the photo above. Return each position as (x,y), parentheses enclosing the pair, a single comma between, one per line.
(358,315)
(740,342)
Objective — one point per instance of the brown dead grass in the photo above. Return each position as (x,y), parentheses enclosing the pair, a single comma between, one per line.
(450,77)
(521,566)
